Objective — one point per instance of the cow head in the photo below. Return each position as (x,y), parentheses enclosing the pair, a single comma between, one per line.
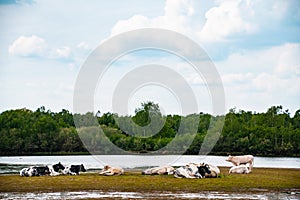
(229,158)
(204,169)
(82,168)
(58,167)
(147,172)
(106,167)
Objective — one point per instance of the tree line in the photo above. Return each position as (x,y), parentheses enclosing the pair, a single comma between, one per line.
(26,132)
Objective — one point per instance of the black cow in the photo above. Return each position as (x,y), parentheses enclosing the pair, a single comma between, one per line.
(74,169)
(35,171)
(204,169)
(55,169)
(41,171)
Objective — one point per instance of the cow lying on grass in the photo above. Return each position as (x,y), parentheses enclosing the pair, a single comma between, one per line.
(74,169)
(238,160)
(241,169)
(159,170)
(52,170)
(215,171)
(35,171)
(192,170)
(55,170)
(110,171)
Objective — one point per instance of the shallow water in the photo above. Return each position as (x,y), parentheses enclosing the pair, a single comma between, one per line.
(137,195)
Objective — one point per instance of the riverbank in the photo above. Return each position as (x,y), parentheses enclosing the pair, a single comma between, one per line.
(63,153)
(260,180)
(12,165)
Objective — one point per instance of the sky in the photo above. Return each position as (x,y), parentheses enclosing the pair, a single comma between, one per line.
(254,45)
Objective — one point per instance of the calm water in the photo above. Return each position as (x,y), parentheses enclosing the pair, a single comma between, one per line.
(13,164)
(137,195)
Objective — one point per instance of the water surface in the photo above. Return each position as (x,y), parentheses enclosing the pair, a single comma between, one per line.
(12,164)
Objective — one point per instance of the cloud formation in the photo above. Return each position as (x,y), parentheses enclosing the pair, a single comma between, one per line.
(28,46)
(225,21)
(34,46)
(62,52)
(174,18)
(255,45)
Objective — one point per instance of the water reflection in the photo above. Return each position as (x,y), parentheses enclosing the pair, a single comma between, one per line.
(137,195)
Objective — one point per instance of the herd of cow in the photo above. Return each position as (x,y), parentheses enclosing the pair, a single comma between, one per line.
(242,165)
(52,170)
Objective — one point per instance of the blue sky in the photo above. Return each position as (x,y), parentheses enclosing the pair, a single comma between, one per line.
(254,44)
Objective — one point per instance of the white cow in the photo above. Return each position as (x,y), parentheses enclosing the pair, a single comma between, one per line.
(110,171)
(241,169)
(159,170)
(238,160)
(189,171)
(215,171)
(28,171)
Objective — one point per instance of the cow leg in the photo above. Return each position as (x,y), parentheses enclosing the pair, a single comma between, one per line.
(250,165)
(109,173)
(177,176)
(53,173)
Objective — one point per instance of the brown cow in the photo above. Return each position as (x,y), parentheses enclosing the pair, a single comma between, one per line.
(238,160)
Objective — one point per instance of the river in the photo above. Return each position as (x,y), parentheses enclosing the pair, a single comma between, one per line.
(13,164)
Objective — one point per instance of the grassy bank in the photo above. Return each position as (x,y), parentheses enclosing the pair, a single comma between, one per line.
(260,180)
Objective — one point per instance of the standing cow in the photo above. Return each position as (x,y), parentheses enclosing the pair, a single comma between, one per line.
(238,160)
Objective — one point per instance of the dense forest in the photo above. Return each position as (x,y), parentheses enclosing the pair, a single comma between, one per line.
(24,132)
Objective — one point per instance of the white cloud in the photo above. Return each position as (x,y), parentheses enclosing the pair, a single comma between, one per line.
(232,26)
(277,87)
(175,18)
(237,79)
(262,78)
(63,52)
(34,46)
(225,20)
(136,21)
(28,46)
(289,61)
(244,36)
(83,45)
(183,16)
(221,23)
(179,7)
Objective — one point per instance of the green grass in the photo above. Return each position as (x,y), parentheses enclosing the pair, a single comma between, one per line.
(259,180)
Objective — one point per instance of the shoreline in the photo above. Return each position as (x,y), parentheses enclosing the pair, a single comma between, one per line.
(260,180)
(262,183)
(15,164)
(140,169)
(139,154)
